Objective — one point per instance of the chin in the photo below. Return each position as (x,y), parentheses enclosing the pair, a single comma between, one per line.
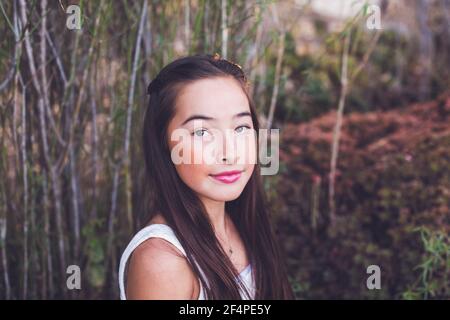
(223,196)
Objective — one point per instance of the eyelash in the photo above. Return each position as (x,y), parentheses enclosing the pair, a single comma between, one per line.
(243,126)
(193,133)
(204,130)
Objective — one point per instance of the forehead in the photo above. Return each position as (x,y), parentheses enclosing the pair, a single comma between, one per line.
(220,97)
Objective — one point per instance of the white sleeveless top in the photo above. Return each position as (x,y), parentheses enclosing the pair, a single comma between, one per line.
(165,232)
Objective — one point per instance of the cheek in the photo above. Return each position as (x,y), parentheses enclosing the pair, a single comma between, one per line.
(192,175)
(250,153)
(193,171)
(247,150)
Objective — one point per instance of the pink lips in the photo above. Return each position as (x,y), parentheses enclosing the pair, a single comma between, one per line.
(227,176)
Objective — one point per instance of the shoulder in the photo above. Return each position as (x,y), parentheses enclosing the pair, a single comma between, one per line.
(157,270)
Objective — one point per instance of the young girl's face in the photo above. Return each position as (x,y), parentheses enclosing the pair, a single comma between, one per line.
(212,130)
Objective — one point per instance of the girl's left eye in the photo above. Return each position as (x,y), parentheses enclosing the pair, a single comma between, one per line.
(242,128)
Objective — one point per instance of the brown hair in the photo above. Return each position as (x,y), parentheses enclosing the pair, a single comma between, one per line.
(184,212)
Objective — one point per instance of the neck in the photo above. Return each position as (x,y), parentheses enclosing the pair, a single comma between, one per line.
(217,215)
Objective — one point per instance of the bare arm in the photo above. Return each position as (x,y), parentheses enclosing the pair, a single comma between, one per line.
(157,271)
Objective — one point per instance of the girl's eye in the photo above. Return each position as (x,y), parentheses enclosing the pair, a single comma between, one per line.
(241,129)
(199,133)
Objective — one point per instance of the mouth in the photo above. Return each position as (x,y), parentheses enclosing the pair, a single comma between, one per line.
(227,176)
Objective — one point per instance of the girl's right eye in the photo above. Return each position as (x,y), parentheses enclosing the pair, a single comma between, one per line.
(199,132)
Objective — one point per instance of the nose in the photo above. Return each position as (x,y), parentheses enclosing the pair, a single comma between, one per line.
(227,148)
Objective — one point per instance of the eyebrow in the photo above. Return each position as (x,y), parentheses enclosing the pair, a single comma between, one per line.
(203,117)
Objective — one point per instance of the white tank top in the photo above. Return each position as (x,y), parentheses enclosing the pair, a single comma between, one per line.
(165,232)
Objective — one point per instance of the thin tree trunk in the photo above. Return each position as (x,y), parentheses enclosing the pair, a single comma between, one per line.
(276,86)
(346,84)
(280,54)
(337,130)
(255,52)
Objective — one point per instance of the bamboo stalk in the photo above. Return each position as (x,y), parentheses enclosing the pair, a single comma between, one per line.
(44,35)
(47,248)
(130,113)
(117,167)
(53,172)
(75,199)
(95,162)
(25,189)
(43,69)
(224,28)
(58,59)
(187,23)
(112,213)
(3,248)
(56,189)
(82,87)
(206,26)
(25,175)
(33,246)
(17,51)
(4,220)
(18,47)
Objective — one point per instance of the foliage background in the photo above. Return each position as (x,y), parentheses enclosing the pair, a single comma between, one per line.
(71,104)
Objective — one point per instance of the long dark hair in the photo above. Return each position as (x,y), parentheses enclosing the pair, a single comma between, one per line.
(183,210)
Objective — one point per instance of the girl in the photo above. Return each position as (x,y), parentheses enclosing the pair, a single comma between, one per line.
(207,234)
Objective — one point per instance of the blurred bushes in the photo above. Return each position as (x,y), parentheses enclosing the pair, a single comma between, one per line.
(393,177)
